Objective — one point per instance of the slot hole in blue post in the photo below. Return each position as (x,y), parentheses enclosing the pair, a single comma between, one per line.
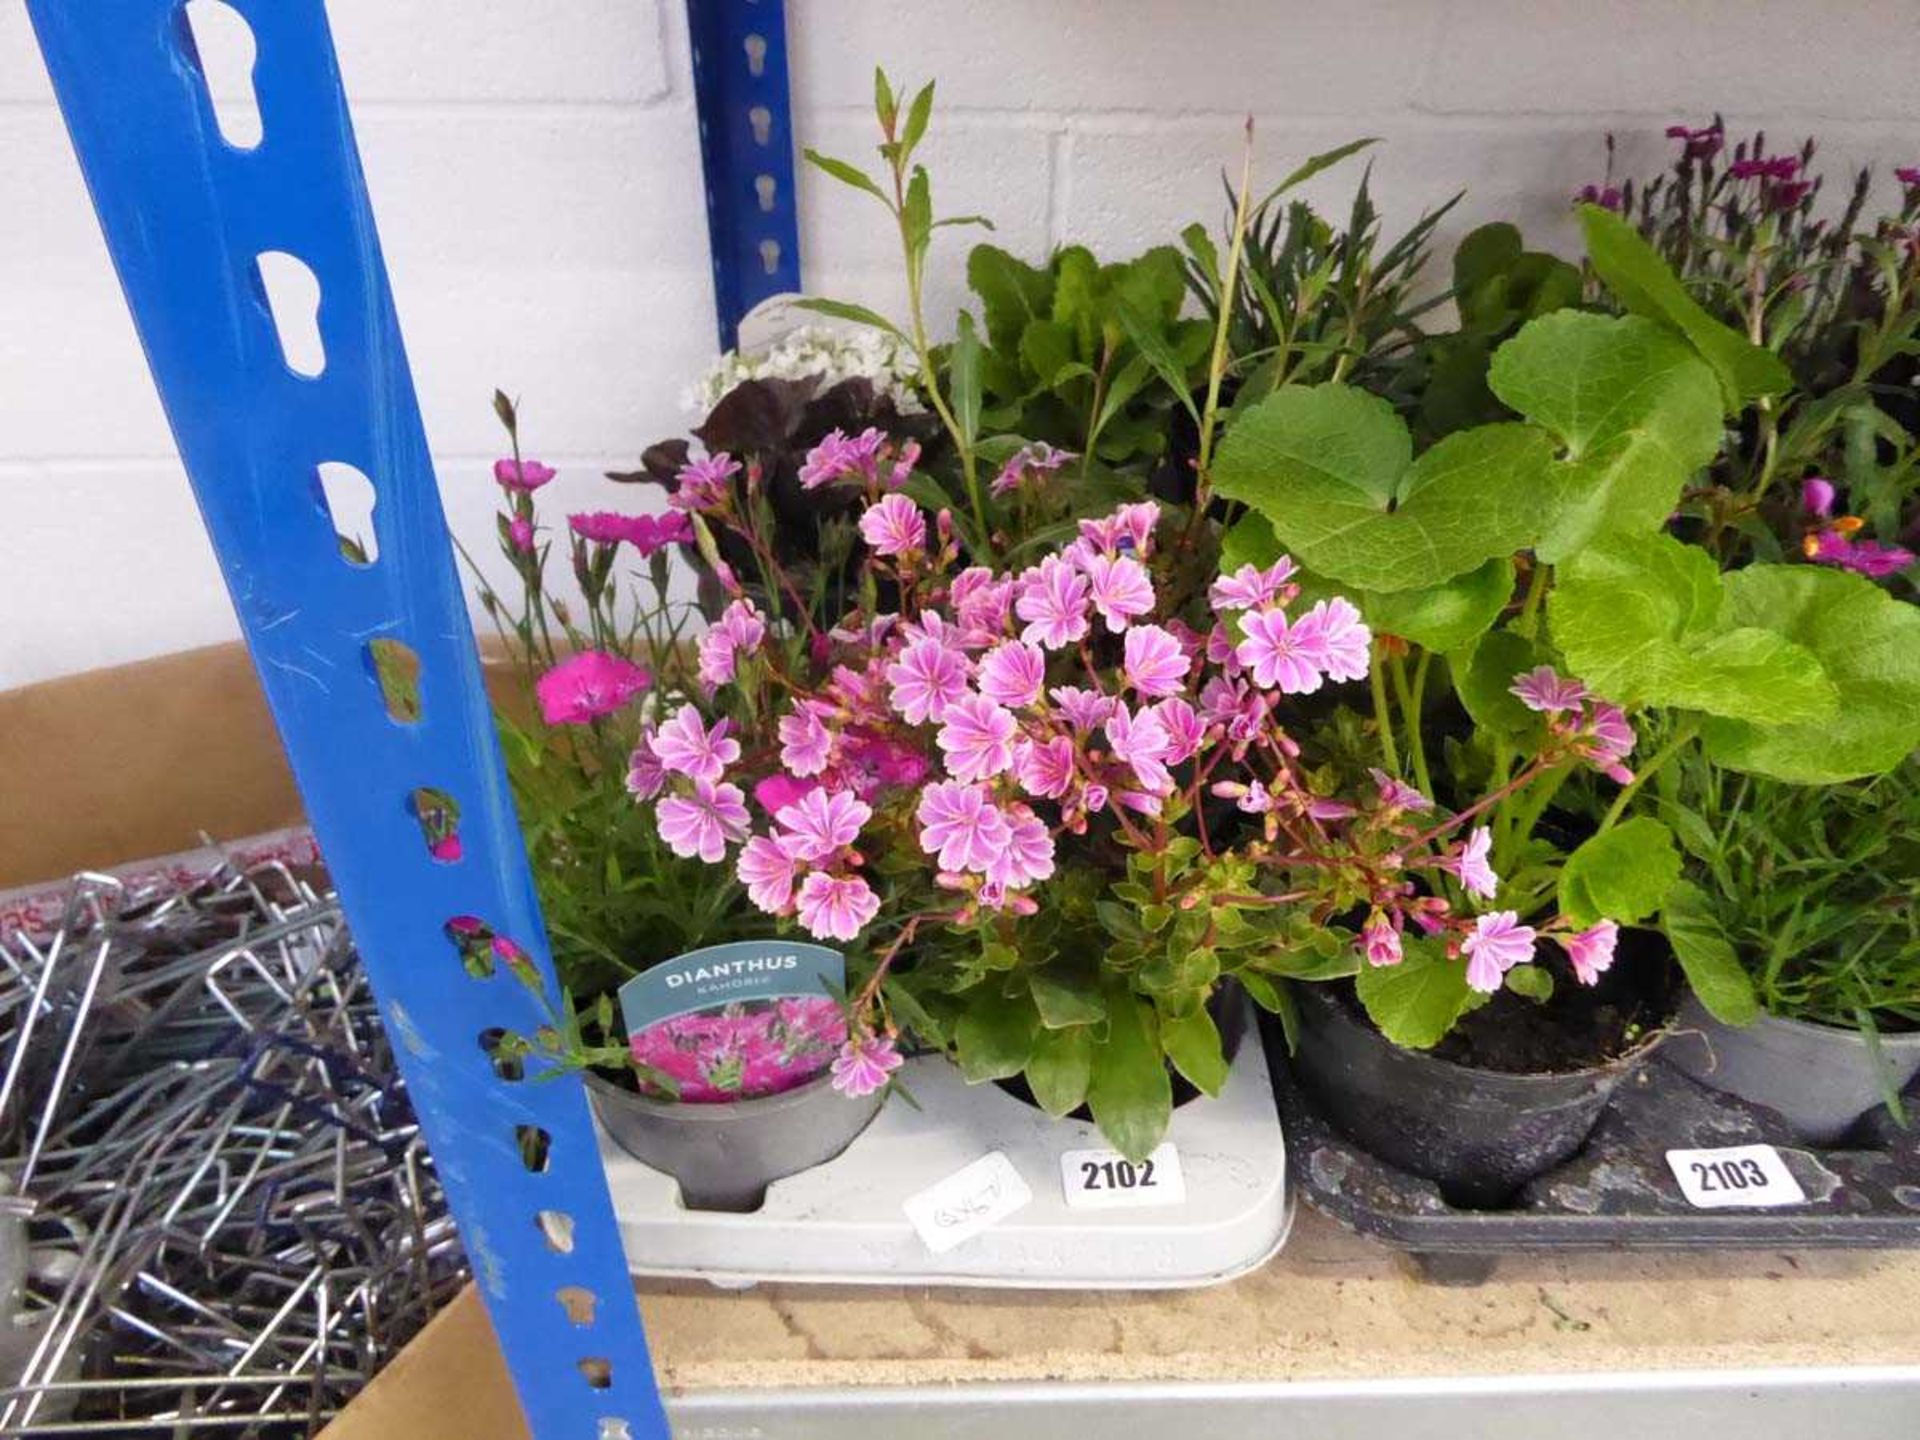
(536,1147)
(472,938)
(556,1227)
(579,1303)
(438,815)
(396,670)
(291,292)
(219,43)
(505,1058)
(597,1371)
(347,500)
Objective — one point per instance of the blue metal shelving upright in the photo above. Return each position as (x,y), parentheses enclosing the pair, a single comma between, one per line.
(187,217)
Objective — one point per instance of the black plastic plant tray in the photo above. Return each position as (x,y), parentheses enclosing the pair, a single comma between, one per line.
(1617,1192)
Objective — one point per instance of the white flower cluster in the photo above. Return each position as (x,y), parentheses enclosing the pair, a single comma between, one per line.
(830,353)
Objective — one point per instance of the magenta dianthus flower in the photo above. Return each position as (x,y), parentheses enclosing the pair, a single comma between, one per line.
(522,475)
(586,686)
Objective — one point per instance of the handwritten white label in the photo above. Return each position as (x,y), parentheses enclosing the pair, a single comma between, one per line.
(970,1200)
(1107,1180)
(1741,1176)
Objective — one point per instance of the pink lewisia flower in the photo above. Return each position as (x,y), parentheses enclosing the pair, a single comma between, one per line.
(1816,496)
(894,526)
(1591,951)
(1545,689)
(1250,587)
(960,826)
(1128,530)
(865,1064)
(741,623)
(685,746)
(980,603)
(1470,864)
(977,736)
(1272,653)
(1052,598)
(1028,854)
(926,681)
(704,822)
(1186,731)
(1119,588)
(1498,943)
(1153,661)
(838,457)
(1030,463)
(1334,640)
(645,773)
(522,475)
(1379,941)
(586,686)
(1141,742)
(1610,741)
(1012,673)
(1044,767)
(718,658)
(833,908)
(520,534)
(1398,795)
(1084,709)
(805,743)
(768,873)
(818,825)
(704,484)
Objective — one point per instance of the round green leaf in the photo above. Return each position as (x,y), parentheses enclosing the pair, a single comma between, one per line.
(1867,645)
(1443,617)
(1331,468)
(1622,874)
(1637,410)
(1059,1068)
(1416,1002)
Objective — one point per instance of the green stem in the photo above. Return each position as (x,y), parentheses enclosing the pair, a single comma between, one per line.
(1681,738)
(1411,709)
(1383,715)
(1536,593)
(1217,362)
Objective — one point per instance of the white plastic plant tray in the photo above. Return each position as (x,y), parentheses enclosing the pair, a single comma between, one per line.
(847,1222)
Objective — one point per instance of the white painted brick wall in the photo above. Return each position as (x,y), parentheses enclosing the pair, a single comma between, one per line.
(535,171)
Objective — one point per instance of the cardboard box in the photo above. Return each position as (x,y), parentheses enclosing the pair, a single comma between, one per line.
(122,764)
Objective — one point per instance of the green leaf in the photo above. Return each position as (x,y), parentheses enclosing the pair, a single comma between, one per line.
(1866,643)
(916,217)
(918,113)
(1622,874)
(1533,981)
(1416,1002)
(995,1036)
(1326,159)
(1639,618)
(1061,1066)
(1330,467)
(1066,995)
(1129,1091)
(1643,283)
(884,105)
(845,310)
(1444,617)
(847,175)
(1249,541)
(963,369)
(1148,338)
(1709,961)
(1192,1042)
(1013,294)
(1046,348)
(1637,411)
(1483,679)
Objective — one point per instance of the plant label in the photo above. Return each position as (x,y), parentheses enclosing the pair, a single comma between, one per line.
(736,1021)
(1107,1180)
(1742,1176)
(972,1199)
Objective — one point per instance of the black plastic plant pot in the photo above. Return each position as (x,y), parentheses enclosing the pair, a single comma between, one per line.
(724,1155)
(1821,1079)
(1477,1134)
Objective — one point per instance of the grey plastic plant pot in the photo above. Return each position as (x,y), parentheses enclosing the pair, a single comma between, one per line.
(725,1155)
(1820,1078)
(1477,1134)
